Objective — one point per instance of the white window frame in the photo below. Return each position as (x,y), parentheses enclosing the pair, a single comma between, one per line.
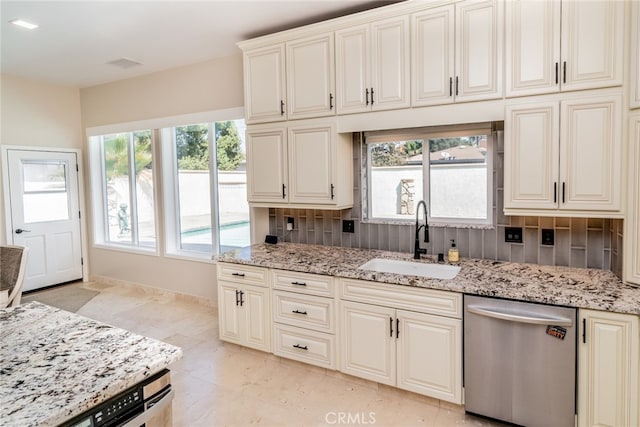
(99,196)
(425,134)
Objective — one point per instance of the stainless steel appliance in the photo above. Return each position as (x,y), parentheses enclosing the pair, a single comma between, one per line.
(520,361)
(145,404)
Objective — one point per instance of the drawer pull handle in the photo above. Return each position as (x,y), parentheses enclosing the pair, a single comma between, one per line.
(299,312)
(238,274)
(299,283)
(301,347)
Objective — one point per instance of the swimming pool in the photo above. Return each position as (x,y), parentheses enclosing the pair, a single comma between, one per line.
(232,235)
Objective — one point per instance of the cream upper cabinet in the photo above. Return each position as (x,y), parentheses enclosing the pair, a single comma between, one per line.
(564,156)
(608,357)
(556,46)
(306,165)
(310,77)
(264,84)
(457,53)
(592,44)
(372,66)
(267,168)
(632,222)
(634,100)
(532,43)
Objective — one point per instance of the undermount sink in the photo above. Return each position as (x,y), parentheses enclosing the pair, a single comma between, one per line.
(435,271)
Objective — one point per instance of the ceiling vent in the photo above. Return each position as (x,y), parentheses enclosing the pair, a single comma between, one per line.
(124,63)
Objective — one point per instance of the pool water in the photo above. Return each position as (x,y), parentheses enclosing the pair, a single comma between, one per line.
(234,235)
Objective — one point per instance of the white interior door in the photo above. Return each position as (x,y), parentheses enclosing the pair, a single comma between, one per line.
(45,215)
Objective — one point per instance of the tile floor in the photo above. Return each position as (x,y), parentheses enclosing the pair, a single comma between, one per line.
(221,384)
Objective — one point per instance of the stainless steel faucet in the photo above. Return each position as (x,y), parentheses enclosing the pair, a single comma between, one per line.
(417,250)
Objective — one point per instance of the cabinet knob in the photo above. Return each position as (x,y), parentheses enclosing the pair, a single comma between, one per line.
(301,347)
(299,312)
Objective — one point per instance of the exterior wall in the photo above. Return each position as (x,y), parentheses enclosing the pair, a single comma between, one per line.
(37,114)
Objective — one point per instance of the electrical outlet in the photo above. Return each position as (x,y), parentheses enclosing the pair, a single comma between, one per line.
(348,226)
(513,234)
(547,236)
(289,223)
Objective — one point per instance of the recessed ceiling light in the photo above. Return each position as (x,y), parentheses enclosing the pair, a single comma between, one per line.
(24,24)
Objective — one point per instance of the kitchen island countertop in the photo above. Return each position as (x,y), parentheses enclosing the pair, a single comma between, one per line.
(572,287)
(55,365)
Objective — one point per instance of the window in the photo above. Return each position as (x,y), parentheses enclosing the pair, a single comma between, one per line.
(127,210)
(447,167)
(209,212)
(200,169)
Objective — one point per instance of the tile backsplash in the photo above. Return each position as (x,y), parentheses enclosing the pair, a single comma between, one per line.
(579,242)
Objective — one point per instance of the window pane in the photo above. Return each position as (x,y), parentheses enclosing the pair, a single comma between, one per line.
(395,178)
(233,209)
(145,207)
(45,192)
(458,177)
(192,148)
(116,169)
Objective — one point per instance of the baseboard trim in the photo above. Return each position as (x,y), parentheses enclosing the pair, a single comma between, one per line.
(150,290)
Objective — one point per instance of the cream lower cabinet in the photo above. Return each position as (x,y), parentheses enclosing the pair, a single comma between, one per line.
(411,350)
(244,313)
(303,165)
(564,157)
(304,318)
(608,383)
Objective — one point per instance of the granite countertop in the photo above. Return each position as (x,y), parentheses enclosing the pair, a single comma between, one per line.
(55,365)
(572,287)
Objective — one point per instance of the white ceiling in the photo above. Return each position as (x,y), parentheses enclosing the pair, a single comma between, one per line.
(76,39)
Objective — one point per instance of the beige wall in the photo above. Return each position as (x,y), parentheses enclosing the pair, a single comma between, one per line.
(37,114)
(212,85)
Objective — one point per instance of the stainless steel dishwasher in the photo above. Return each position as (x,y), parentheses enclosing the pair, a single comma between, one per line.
(520,361)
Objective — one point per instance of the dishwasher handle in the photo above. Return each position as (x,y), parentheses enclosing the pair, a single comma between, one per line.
(534,320)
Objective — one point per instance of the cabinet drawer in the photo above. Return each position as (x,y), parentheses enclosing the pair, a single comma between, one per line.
(240,273)
(305,311)
(404,297)
(313,284)
(316,348)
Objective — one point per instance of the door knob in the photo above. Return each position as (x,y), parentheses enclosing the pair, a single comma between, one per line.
(20,230)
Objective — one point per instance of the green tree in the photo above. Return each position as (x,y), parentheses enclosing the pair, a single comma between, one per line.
(116,153)
(192,147)
(228,146)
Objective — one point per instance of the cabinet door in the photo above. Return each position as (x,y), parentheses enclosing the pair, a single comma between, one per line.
(532,47)
(353,65)
(311,160)
(632,223)
(634,99)
(591,154)
(433,59)
(608,370)
(368,343)
(310,77)
(264,84)
(531,152)
(592,44)
(479,28)
(390,76)
(267,165)
(256,314)
(229,315)
(429,352)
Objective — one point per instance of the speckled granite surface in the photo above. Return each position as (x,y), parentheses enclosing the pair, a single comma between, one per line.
(55,364)
(573,287)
